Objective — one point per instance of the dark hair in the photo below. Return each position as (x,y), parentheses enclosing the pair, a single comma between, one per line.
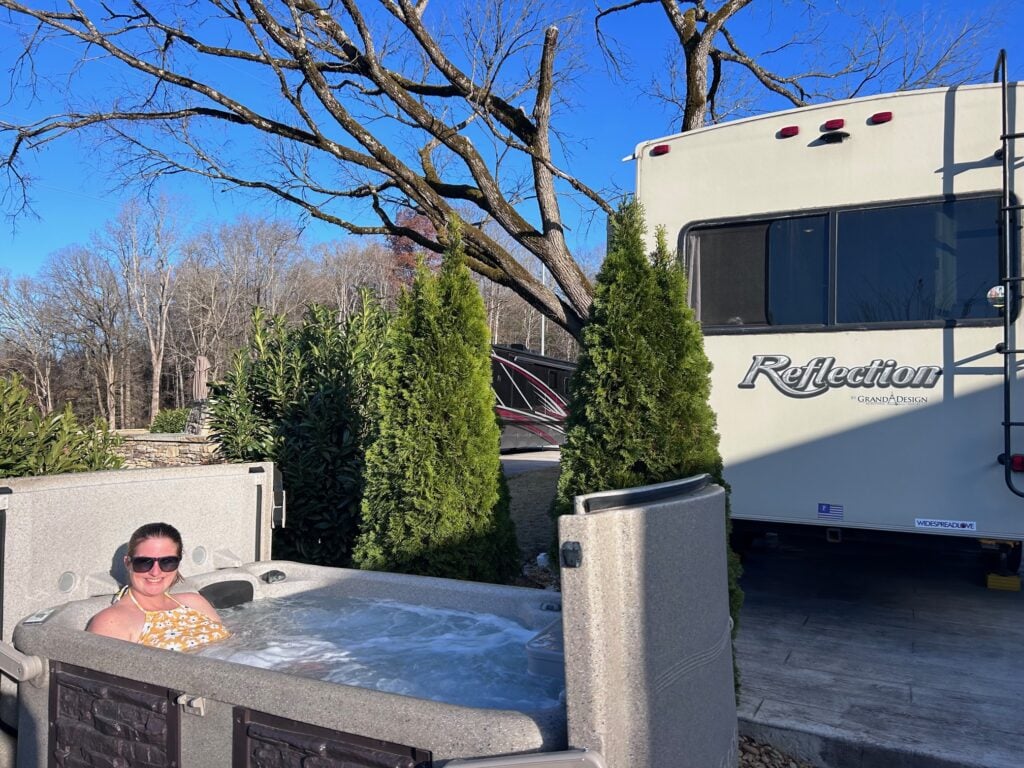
(154,531)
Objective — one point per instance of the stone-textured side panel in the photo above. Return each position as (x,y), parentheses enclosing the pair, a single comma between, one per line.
(104,721)
(264,741)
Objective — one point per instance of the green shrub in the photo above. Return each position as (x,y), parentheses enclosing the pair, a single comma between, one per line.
(293,398)
(639,410)
(33,444)
(435,500)
(170,420)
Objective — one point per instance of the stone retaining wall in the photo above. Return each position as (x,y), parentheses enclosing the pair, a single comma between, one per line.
(155,449)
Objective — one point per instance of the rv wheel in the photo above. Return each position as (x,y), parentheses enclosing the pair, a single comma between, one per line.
(1004,560)
(1013,552)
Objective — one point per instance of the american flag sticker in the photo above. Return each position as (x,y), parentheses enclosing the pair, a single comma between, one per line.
(830,511)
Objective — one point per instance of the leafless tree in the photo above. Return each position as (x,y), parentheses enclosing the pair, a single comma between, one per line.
(203,320)
(348,267)
(143,242)
(356,110)
(89,306)
(881,50)
(206,305)
(226,271)
(378,106)
(29,335)
(267,256)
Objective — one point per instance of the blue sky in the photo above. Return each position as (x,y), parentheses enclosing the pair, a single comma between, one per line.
(73,195)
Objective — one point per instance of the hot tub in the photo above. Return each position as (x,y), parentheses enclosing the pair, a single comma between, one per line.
(218,692)
(643,646)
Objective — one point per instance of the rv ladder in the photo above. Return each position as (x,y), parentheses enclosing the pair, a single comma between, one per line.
(1010,279)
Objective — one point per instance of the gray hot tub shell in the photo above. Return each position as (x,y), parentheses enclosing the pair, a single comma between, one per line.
(645,631)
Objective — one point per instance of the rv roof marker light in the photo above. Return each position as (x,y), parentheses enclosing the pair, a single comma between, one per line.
(834,124)
(660,149)
(880,117)
(789,131)
(1016,461)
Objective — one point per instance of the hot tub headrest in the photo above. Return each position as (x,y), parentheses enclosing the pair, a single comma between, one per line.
(228,594)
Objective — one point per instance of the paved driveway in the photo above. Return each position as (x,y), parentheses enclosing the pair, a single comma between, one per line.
(888,652)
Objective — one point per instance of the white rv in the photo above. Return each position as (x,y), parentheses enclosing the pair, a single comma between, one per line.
(850,263)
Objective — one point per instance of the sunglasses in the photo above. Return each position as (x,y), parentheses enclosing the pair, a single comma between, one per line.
(145,564)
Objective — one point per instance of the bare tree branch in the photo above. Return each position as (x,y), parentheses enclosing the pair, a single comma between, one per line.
(353,91)
(886,51)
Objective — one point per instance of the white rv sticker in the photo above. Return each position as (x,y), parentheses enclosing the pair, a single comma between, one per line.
(822,374)
(948,525)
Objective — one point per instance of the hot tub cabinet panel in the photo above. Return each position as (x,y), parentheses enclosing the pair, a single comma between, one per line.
(261,741)
(97,718)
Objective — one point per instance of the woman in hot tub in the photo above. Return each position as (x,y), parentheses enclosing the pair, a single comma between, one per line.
(144,611)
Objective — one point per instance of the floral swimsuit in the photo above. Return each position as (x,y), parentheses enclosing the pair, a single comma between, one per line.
(178,629)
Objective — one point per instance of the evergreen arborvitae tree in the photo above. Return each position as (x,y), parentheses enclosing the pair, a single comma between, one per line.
(639,410)
(366,333)
(435,501)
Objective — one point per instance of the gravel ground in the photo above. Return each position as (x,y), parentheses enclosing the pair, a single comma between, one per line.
(755,755)
(531,495)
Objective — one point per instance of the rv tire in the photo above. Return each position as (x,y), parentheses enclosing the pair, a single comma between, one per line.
(1013,553)
(1005,560)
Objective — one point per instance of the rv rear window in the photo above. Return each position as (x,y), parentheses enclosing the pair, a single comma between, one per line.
(798,271)
(728,275)
(917,262)
(922,262)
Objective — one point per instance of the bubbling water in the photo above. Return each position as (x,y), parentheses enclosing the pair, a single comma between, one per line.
(459,657)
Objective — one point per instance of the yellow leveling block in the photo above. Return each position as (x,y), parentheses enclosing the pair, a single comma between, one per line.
(1005,583)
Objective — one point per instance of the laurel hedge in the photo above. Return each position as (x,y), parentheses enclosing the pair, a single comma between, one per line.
(295,397)
(169,420)
(32,444)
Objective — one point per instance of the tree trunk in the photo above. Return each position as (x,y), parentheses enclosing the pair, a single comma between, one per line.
(156,362)
(111,383)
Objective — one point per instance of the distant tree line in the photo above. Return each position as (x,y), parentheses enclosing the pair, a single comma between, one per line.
(114,326)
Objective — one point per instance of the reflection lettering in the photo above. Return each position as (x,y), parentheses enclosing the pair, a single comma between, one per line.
(821,374)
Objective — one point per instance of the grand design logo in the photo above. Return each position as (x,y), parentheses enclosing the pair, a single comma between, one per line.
(822,374)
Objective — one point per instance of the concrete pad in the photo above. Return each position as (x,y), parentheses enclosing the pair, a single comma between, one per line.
(887,652)
(527,461)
